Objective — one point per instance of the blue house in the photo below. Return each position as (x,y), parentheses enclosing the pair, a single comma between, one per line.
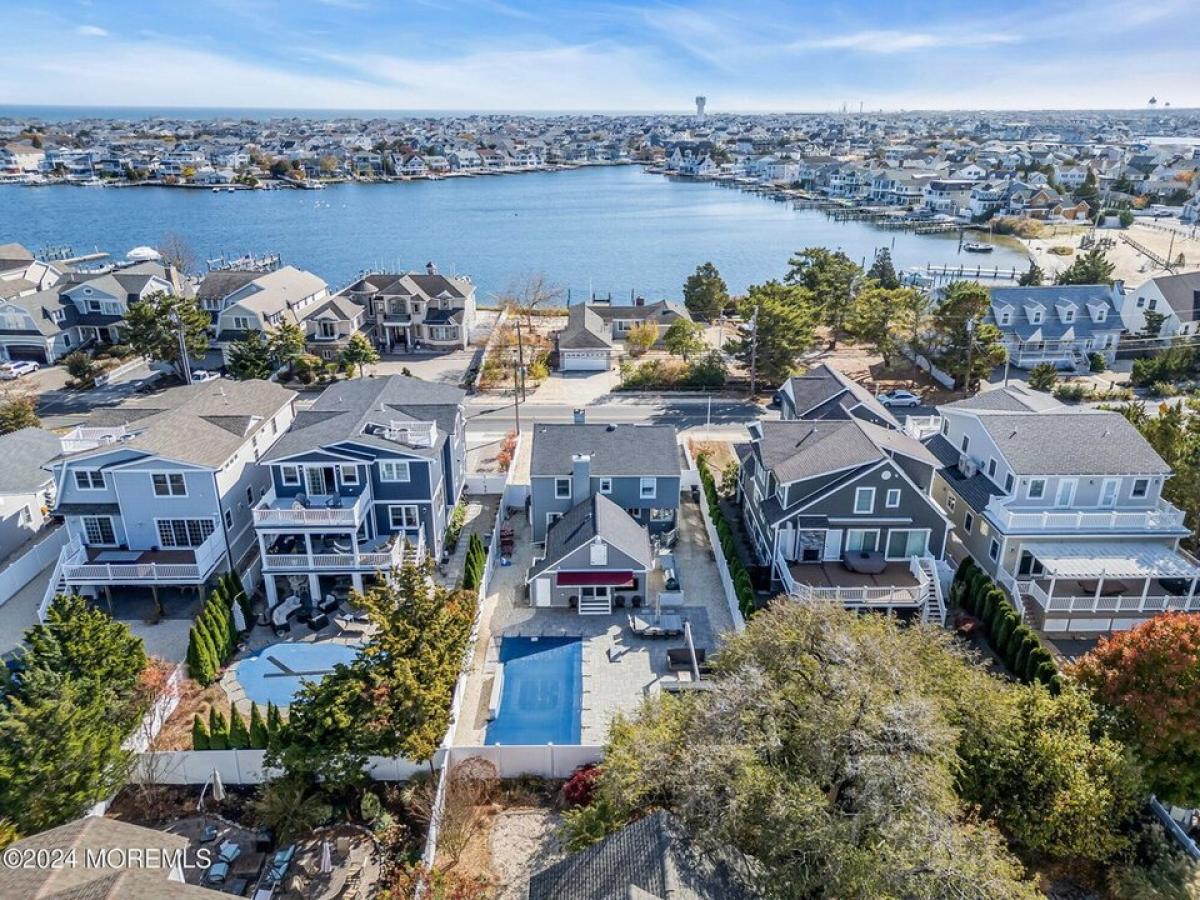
(363,481)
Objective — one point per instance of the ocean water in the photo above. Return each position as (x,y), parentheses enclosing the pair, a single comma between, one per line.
(604,231)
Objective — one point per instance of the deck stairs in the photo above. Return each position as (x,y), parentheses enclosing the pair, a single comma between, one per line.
(933,607)
(595,606)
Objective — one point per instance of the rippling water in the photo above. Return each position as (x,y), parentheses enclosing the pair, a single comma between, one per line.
(609,230)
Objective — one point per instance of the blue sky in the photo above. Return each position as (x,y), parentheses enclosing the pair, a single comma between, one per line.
(748,55)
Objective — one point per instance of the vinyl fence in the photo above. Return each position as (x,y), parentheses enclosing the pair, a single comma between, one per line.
(944,379)
(244,767)
(714,543)
(486,482)
(540,760)
(22,571)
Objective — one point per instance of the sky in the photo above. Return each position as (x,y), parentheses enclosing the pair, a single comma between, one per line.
(744,55)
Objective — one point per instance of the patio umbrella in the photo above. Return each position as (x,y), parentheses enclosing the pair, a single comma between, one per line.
(326,857)
(218,789)
(239,618)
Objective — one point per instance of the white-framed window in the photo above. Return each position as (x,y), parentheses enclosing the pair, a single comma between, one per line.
(648,488)
(289,475)
(661,514)
(1066,493)
(892,500)
(184,532)
(1005,317)
(992,467)
(89,479)
(406,516)
(950,502)
(229,518)
(968,522)
(241,323)
(1035,317)
(394,470)
(1068,316)
(98,531)
(562,488)
(1141,488)
(863,539)
(606,485)
(1008,482)
(1037,489)
(903,543)
(350,475)
(864,500)
(994,550)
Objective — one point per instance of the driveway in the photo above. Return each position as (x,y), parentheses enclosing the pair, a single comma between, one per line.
(57,401)
(447,368)
(577,388)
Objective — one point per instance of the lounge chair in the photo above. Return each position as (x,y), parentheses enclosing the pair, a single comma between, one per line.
(674,686)
(229,851)
(217,872)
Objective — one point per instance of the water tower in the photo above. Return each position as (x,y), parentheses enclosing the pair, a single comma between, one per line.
(700,101)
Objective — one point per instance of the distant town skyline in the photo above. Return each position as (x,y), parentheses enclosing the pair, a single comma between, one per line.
(493,55)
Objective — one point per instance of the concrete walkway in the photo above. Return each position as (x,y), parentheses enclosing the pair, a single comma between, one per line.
(480,520)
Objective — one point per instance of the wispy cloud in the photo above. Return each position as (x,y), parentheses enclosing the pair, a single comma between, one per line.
(883,41)
(91,31)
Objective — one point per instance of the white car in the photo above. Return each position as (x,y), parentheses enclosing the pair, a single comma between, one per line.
(899,398)
(199,376)
(12,370)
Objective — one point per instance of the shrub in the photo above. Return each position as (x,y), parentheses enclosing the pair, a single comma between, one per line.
(218,730)
(1021,663)
(1008,624)
(1097,362)
(199,733)
(308,367)
(580,786)
(259,736)
(586,825)
(1043,376)
(239,737)
(81,367)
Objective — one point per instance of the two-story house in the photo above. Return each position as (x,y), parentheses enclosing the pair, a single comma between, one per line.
(363,480)
(269,299)
(1058,324)
(1064,508)
(26,486)
(1175,297)
(636,466)
(824,392)
(840,509)
(161,496)
(413,310)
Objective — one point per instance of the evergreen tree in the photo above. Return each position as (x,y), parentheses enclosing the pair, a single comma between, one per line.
(705,294)
(359,354)
(239,737)
(883,271)
(250,358)
(287,344)
(1092,267)
(831,278)
(211,659)
(960,334)
(1033,277)
(218,730)
(18,411)
(199,733)
(153,324)
(785,317)
(258,729)
(274,723)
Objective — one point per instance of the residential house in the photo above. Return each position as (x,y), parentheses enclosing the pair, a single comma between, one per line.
(26,487)
(20,158)
(363,481)
(413,310)
(636,466)
(267,300)
(841,510)
(947,196)
(622,318)
(162,494)
(21,274)
(1058,324)
(824,392)
(585,345)
(1064,507)
(1176,297)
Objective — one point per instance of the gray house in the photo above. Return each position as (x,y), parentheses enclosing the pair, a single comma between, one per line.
(26,486)
(635,466)
(158,492)
(1059,324)
(840,510)
(585,345)
(595,556)
(825,393)
(363,481)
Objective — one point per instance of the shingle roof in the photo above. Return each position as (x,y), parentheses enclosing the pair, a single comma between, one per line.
(25,452)
(825,393)
(279,288)
(585,330)
(1182,293)
(976,490)
(615,450)
(597,516)
(344,409)
(654,855)
(799,449)
(219,285)
(1013,398)
(1073,443)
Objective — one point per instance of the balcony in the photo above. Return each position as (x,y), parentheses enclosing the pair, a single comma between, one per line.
(902,584)
(1163,517)
(82,565)
(387,552)
(321,510)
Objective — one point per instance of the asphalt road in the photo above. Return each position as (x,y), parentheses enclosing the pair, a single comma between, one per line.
(488,416)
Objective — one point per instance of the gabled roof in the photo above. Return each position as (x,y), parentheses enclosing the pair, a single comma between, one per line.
(415,284)
(1073,442)
(651,858)
(800,449)
(662,312)
(1013,398)
(824,392)
(346,408)
(585,330)
(1182,293)
(220,284)
(25,453)
(597,516)
(279,288)
(615,450)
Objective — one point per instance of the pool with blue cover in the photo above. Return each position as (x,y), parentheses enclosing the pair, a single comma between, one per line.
(541,691)
(275,673)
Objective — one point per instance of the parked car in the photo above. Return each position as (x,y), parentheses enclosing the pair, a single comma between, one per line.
(199,376)
(899,398)
(12,370)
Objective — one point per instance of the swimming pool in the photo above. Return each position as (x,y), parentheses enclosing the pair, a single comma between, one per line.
(540,693)
(275,673)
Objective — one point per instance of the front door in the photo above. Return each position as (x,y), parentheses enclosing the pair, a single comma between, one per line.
(541,592)
(1108,492)
(1066,493)
(318,480)
(833,543)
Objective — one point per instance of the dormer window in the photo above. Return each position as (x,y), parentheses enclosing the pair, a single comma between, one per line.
(1035,316)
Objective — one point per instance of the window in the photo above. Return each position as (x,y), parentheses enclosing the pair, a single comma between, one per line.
(994,550)
(945,426)
(392,470)
(1141,488)
(966,443)
(992,467)
(562,488)
(1141,302)
(250,494)
(950,502)
(1066,493)
(184,532)
(1037,488)
(98,531)
(241,323)
(648,488)
(864,500)
(169,485)
(1068,316)
(327,329)
(89,479)
(903,543)
(968,522)
(893,498)
(661,514)
(350,475)
(289,475)
(860,539)
(1005,317)
(551,518)
(1008,482)
(606,485)
(228,518)
(404,516)
(1035,317)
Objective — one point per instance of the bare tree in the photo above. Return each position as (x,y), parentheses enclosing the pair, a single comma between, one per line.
(176,251)
(470,787)
(159,693)
(531,292)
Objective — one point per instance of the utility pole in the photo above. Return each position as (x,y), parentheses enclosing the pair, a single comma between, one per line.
(184,363)
(521,357)
(1170,250)
(517,397)
(754,351)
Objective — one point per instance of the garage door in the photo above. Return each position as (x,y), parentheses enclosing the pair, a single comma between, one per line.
(584,360)
(35,354)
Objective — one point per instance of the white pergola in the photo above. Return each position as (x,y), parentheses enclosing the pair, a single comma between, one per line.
(1087,561)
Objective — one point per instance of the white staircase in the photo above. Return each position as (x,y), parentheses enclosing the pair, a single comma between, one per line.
(595,606)
(934,605)
(58,582)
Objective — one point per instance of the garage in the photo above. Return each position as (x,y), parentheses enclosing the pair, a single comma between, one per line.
(27,352)
(584,345)
(584,360)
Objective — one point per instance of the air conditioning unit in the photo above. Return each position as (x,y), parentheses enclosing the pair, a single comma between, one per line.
(966,465)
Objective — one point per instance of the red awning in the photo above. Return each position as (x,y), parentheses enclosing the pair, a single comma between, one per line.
(608,577)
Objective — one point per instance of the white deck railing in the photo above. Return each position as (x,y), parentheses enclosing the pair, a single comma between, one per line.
(1127,603)
(882,596)
(76,571)
(268,515)
(1163,516)
(401,551)
(921,427)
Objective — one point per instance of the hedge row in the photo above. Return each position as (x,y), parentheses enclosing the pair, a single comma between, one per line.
(742,585)
(213,638)
(236,735)
(1012,640)
(475,563)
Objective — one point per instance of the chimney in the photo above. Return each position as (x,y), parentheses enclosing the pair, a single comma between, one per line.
(640,301)
(580,416)
(581,477)
(430,268)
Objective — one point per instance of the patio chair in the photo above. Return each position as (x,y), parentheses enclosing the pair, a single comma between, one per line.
(342,845)
(333,502)
(217,872)
(229,851)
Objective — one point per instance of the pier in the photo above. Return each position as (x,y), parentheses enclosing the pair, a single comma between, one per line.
(995,273)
